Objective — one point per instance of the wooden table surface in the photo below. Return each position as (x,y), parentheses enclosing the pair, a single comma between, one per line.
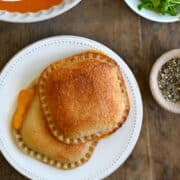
(139,42)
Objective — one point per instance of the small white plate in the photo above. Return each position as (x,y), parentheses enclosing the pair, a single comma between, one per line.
(40,15)
(150,15)
(109,154)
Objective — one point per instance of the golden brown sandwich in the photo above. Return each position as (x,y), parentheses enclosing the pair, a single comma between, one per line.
(33,137)
(75,102)
(83,98)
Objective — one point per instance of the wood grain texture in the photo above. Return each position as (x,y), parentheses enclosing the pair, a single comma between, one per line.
(139,42)
(164,127)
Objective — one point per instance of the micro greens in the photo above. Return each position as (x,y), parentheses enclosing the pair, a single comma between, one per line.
(171,7)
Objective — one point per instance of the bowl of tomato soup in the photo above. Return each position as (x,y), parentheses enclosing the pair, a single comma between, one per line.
(33,10)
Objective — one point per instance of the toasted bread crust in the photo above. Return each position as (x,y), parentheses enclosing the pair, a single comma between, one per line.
(83,97)
(35,140)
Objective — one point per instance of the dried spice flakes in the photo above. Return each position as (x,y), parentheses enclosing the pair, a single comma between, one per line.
(169,80)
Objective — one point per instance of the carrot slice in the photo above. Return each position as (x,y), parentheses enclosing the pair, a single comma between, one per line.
(24,101)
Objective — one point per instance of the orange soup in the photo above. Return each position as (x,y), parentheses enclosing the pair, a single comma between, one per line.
(28,5)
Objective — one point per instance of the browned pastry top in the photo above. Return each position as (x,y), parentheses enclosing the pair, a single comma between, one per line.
(83,97)
(35,139)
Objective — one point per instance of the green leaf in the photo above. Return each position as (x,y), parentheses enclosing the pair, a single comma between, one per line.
(172,11)
(145,6)
(171,7)
(155,3)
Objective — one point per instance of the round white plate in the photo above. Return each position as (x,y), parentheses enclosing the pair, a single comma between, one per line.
(150,15)
(40,15)
(109,154)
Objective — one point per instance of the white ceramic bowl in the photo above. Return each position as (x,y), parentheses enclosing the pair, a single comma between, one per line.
(150,15)
(172,107)
(40,15)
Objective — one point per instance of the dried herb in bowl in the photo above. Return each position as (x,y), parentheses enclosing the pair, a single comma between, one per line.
(169,80)
(171,7)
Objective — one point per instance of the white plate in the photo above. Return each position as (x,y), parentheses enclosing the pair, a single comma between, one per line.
(40,15)
(150,15)
(109,154)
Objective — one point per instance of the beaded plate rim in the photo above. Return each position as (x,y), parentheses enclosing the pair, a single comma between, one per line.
(137,103)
